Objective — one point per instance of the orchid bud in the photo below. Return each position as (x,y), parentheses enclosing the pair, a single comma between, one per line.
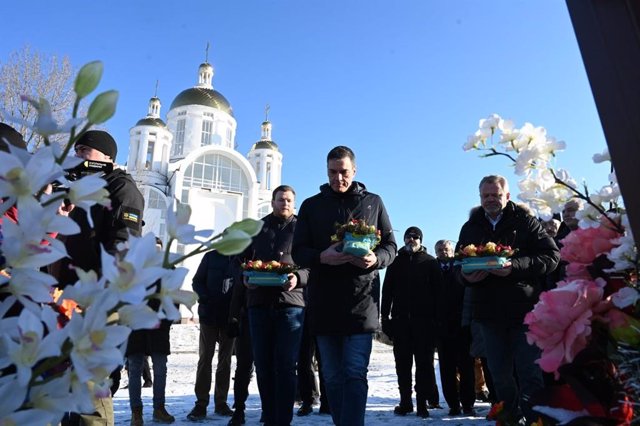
(88,78)
(250,226)
(103,107)
(233,241)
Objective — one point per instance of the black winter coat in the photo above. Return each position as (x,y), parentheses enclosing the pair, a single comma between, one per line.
(110,227)
(411,287)
(274,243)
(213,282)
(450,302)
(510,298)
(340,299)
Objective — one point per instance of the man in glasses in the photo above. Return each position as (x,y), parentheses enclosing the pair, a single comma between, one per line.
(410,293)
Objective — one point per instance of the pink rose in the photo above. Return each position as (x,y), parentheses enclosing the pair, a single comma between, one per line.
(560,323)
(584,245)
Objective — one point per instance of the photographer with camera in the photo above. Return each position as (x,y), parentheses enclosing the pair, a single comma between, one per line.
(110,226)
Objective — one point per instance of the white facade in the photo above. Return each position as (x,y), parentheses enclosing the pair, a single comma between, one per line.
(193,158)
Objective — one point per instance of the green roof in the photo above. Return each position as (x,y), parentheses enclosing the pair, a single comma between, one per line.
(202,96)
(150,121)
(265,145)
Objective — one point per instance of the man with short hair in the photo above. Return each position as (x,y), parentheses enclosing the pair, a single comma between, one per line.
(213,282)
(456,363)
(410,292)
(111,226)
(500,298)
(342,311)
(276,313)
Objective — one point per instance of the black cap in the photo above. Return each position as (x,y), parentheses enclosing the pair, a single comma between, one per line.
(413,230)
(100,140)
(10,135)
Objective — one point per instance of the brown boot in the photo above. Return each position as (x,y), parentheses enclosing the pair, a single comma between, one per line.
(136,416)
(160,415)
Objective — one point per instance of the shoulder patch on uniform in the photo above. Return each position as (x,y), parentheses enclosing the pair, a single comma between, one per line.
(131,215)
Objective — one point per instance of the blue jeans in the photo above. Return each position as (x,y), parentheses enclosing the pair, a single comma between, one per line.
(136,362)
(506,347)
(275,336)
(345,362)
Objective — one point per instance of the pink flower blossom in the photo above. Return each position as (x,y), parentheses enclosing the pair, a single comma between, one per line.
(560,323)
(584,245)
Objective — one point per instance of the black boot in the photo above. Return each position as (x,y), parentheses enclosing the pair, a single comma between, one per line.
(422,409)
(237,419)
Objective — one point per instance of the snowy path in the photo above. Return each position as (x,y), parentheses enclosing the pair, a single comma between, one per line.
(383,394)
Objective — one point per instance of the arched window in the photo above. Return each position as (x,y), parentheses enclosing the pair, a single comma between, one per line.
(219,172)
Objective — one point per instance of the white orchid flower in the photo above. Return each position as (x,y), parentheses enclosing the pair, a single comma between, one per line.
(45,124)
(624,255)
(53,396)
(601,158)
(130,276)
(30,285)
(178,225)
(23,245)
(28,346)
(609,193)
(588,217)
(87,192)
(490,123)
(472,143)
(88,289)
(95,351)
(138,317)
(12,396)
(22,178)
(171,293)
(626,296)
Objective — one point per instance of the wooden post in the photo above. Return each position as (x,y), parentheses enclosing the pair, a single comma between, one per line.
(608,34)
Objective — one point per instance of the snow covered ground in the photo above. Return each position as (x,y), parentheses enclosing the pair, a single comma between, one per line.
(383,392)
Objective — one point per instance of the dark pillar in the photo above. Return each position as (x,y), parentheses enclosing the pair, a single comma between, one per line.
(608,33)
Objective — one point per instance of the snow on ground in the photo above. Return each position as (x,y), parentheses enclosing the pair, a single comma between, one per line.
(383,392)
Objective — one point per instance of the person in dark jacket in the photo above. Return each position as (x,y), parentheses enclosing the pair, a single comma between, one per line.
(276,313)
(213,282)
(154,343)
(342,311)
(454,340)
(500,298)
(111,226)
(410,295)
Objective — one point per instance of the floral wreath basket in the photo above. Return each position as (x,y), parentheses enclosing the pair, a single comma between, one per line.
(358,238)
(483,257)
(272,273)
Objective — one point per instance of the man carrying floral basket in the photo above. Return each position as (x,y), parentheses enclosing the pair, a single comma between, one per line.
(342,310)
(502,296)
(275,302)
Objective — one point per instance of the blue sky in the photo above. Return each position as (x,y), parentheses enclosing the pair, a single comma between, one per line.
(402,83)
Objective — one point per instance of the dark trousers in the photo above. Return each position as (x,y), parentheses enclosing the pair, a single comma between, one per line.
(307,383)
(414,339)
(506,346)
(275,337)
(453,351)
(244,366)
(209,336)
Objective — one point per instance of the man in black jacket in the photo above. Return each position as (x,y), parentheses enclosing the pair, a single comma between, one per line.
(410,294)
(500,298)
(111,226)
(456,363)
(342,311)
(213,282)
(276,313)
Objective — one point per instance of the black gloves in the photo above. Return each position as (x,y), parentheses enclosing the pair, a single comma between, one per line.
(387,327)
(233,328)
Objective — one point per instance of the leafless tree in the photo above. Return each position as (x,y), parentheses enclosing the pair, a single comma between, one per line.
(29,72)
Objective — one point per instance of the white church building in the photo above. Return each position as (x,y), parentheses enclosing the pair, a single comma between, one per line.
(192,157)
